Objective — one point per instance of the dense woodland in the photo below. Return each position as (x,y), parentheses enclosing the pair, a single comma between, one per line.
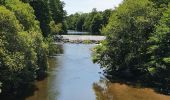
(26,28)
(138,43)
(91,22)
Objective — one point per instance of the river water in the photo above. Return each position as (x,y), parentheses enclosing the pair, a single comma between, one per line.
(73,32)
(73,76)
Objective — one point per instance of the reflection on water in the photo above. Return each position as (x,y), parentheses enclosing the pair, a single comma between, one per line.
(73,76)
(106,90)
(73,32)
(47,89)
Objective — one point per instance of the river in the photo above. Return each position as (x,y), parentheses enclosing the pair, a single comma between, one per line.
(73,76)
(73,32)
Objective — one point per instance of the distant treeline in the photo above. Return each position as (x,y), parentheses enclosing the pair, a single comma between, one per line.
(137,45)
(91,22)
(25,30)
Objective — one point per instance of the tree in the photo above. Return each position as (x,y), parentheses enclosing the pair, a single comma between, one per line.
(129,28)
(96,23)
(22,49)
(2,2)
(80,23)
(91,22)
(106,15)
(58,14)
(161,3)
(42,14)
(88,20)
(159,63)
(72,21)
(27,18)
(18,60)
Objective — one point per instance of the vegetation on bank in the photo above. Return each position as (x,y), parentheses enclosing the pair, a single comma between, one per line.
(25,28)
(91,22)
(137,44)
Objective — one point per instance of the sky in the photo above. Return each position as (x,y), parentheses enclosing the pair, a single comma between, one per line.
(73,6)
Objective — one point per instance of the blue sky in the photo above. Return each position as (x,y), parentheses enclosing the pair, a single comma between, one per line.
(73,6)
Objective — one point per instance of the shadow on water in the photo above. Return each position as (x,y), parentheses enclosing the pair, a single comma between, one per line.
(84,81)
(26,92)
(158,85)
(120,89)
(37,90)
(45,87)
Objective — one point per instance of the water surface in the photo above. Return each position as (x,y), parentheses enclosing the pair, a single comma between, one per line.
(73,76)
(73,32)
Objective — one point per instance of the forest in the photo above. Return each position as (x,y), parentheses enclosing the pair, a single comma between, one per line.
(26,29)
(91,22)
(137,47)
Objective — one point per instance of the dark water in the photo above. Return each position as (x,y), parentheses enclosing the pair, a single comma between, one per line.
(73,76)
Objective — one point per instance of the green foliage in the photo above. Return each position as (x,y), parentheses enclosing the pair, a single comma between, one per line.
(26,17)
(2,2)
(17,56)
(161,3)
(96,23)
(42,13)
(58,14)
(80,22)
(52,48)
(56,8)
(25,14)
(64,27)
(106,15)
(91,22)
(88,21)
(87,42)
(98,54)
(23,49)
(47,12)
(127,33)
(72,21)
(160,47)
(55,29)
